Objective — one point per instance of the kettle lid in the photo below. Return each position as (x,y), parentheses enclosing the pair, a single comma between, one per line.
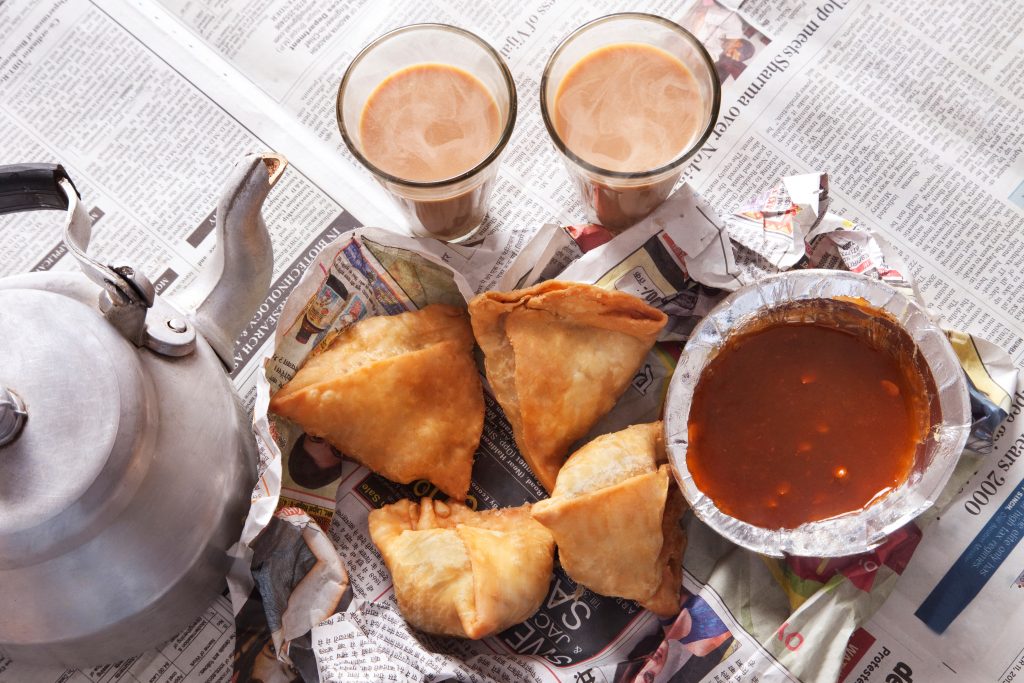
(73,415)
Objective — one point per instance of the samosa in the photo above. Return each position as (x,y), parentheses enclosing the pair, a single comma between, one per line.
(401,394)
(558,355)
(459,572)
(615,514)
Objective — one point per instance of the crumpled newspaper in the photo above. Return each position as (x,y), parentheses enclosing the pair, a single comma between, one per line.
(301,580)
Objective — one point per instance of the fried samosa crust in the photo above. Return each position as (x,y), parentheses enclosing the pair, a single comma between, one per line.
(558,355)
(400,394)
(615,514)
(463,573)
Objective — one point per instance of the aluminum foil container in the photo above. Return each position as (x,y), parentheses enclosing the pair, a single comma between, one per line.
(934,462)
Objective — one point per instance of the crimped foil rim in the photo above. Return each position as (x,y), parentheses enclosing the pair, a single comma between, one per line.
(854,532)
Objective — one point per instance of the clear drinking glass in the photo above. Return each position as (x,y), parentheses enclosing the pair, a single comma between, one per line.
(618,199)
(449,209)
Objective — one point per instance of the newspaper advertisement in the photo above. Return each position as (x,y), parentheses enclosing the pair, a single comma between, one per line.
(933,170)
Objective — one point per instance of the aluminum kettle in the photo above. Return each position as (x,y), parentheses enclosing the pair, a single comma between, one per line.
(126,461)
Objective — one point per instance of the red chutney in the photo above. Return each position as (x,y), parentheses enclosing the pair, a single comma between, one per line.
(797,422)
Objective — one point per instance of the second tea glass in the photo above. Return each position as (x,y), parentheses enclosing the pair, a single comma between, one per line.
(618,199)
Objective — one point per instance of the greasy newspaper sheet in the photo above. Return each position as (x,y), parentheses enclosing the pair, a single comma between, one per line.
(374,272)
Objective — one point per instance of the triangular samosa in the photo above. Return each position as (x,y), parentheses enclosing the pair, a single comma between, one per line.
(400,394)
(558,355)
(615,515)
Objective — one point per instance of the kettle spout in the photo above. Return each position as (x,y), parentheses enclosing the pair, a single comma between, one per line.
(237,276)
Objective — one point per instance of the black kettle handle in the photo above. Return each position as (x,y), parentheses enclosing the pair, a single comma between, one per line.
(31,187)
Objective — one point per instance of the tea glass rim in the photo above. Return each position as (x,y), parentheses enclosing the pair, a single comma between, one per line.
(506,133)
(676,162)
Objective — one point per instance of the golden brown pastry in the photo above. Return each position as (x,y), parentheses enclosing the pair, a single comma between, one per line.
(558,355)
(463,573)
(615,516)
(400,394)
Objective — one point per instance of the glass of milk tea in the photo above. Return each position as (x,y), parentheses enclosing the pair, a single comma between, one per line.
(627,99)
(428,109)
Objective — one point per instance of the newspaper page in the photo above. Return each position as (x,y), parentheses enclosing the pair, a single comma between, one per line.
(380,273)
(201,652)
(932,162)
(936,168)
(772,17)
(296,52)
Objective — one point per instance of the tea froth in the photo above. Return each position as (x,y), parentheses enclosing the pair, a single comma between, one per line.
(628,107)
(429,122)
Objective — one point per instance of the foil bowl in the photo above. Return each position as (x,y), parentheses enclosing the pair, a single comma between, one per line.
(936,458)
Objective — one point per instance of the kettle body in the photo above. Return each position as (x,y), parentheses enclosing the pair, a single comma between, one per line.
(127,463)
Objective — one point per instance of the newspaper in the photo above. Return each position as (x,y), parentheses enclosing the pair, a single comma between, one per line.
(149,104)
(201,652)
(313,43)
(894,162)
(575,631)
(772,17)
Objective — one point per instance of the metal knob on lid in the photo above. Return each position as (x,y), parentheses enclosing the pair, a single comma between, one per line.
(12,416)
